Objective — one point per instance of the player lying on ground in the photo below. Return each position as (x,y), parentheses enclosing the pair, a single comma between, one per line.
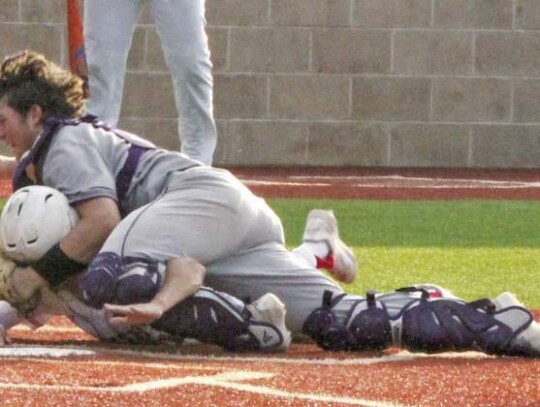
(37,217)
(424,317)
(175,208)
(107,174)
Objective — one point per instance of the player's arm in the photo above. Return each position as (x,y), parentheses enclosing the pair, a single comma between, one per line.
(98,217)
(183,277)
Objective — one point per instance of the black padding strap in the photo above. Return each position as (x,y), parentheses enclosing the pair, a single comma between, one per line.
(56,267)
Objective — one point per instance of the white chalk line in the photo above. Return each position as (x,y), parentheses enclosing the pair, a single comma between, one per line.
(405,178)
(402,356)
(463,185)
(229,379)
(43,352)
(226,380)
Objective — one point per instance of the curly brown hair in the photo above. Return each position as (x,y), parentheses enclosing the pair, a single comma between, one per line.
(27,78)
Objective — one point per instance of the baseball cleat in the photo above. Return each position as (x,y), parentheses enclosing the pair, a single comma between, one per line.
(322,227)
(527,342)
(269,314)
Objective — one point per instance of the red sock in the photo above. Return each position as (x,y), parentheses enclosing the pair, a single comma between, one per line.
(327,262)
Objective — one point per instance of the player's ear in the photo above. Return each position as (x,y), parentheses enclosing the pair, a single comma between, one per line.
(35,115)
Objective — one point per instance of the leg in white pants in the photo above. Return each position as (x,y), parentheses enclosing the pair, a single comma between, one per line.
(181,26)
(108,31)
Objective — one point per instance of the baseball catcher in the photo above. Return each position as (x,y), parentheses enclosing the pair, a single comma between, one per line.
(422,317)
(37,217)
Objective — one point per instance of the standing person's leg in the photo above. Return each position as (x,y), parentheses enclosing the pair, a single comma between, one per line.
(108,31)
(181,27)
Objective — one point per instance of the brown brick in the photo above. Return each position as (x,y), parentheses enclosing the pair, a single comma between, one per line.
(155,60)
(9,10)
(429,145)
(302,13)
(383,98)
(137,53)
(483,14)
(240,96)
(262,143)
(392,13)
(511,146)
(347,143)
(309,97)
(217,41)
(351,51)
(269,50)
(133,125)
(219,44)
(508,53)
(162,132)
(149,95)
(430,52)
(526,101)
(43,11)
(475,100)
(237,12)
(46,39)
(146,14)
(527,14)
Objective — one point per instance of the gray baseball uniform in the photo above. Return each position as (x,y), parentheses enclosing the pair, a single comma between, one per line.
(180,24)
(179,208)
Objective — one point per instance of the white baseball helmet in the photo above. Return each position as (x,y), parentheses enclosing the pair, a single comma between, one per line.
(33,220)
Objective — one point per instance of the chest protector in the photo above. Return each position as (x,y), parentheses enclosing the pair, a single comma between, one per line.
(37,154)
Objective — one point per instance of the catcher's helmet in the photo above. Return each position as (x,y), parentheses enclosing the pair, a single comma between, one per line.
(34,219)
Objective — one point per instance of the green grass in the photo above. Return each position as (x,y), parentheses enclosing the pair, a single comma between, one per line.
(476,248)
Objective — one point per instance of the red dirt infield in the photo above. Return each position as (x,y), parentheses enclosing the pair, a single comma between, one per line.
(62,366)
(391,183)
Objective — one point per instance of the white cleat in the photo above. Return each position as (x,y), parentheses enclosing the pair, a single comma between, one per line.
(321,226)
(528,341)
(272,333)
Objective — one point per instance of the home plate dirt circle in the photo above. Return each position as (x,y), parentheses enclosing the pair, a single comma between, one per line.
(74,369)
(62,366)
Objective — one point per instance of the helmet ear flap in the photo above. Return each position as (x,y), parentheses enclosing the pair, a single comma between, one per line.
(34,219)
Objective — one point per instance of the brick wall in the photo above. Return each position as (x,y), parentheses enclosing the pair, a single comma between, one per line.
(445,83)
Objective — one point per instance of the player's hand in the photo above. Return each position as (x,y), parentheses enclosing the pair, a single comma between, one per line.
(134,314)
